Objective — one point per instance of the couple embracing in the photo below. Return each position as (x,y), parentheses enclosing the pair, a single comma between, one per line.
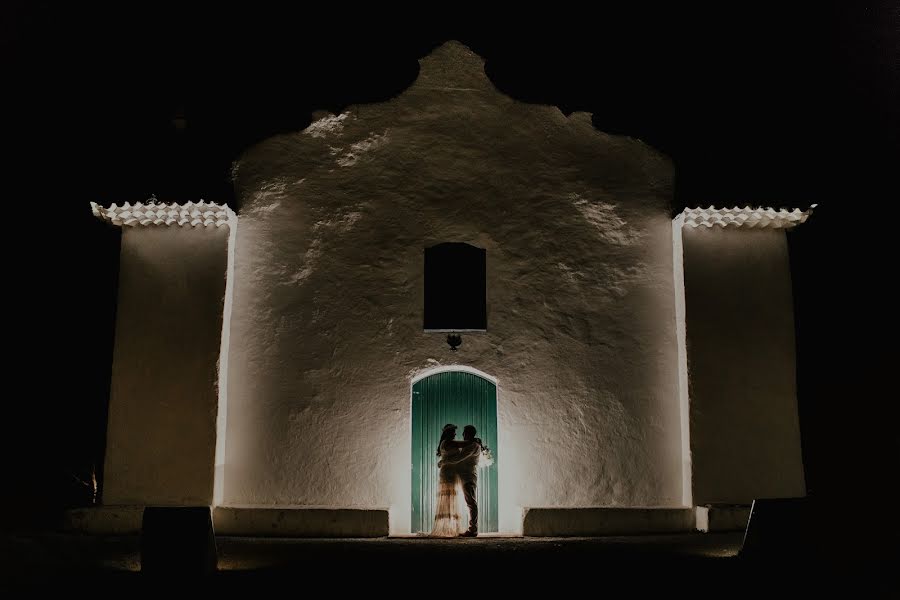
(458,464)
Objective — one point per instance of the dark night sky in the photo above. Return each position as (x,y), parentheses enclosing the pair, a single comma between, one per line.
(755,106)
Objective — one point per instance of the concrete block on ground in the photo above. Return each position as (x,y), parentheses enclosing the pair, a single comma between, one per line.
(597,521)
(301,522)
(714,518)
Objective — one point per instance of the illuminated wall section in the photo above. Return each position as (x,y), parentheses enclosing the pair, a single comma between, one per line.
(327,317)
(163,410)
(744,426)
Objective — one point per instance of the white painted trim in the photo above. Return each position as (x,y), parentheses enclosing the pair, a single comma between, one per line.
(684,401)
(222,407)
(449,368)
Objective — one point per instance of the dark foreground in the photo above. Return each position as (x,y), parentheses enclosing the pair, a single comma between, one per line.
(691,565)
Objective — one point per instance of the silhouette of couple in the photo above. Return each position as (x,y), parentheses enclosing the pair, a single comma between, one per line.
(458,464)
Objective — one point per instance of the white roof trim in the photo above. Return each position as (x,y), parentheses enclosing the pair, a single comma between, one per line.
(751,218)
(192,214)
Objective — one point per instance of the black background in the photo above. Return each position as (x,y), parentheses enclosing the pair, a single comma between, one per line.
(760,105)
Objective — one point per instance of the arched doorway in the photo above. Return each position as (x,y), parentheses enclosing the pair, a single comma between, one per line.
(463,397)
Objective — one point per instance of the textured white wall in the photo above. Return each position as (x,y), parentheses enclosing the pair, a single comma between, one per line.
(163,402)
(326,332)
(745,434)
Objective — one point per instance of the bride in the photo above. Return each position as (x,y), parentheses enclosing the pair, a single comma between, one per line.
(448,514)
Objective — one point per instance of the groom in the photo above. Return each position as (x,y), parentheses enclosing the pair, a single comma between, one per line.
(468,475)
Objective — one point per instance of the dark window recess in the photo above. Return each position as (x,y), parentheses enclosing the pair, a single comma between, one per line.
(455,292)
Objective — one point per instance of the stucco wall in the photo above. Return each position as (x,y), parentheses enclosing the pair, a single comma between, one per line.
(745,434)
(163,401)
(326,330)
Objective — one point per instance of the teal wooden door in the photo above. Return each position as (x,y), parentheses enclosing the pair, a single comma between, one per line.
(463,399)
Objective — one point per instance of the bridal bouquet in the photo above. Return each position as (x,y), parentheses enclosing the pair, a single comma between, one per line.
(486,458)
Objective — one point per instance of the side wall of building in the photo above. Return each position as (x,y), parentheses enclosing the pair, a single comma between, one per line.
(163,402)
(744,425)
